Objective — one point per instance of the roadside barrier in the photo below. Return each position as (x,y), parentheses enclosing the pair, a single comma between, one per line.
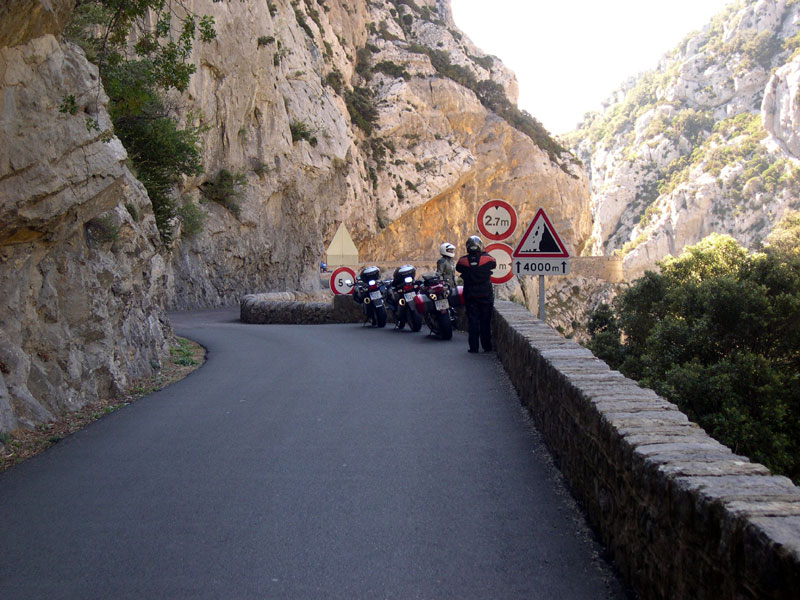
(681,515)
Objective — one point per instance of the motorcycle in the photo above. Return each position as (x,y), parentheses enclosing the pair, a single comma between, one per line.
(401,294)
(436,302)
(370,292)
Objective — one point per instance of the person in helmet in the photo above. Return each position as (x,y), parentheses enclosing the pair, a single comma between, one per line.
(445,266)
(475,269)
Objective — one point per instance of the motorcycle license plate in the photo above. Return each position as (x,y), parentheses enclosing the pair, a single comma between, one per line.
(375,295)
(442,304)
(410,296)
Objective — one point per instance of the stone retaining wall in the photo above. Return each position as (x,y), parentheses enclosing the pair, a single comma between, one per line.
(682,516)
(300,309)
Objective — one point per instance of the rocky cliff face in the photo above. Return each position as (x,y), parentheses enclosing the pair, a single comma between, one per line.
(389,143)
(83,287)
(705,143)
(372,113)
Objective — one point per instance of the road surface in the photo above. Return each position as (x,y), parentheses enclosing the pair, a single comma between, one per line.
(327,461)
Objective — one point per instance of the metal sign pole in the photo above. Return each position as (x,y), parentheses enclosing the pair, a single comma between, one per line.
(541,297)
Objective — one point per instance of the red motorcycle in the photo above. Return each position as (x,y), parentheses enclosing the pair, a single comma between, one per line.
(437,303)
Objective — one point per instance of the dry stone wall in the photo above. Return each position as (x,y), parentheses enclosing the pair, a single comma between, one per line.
(682,516)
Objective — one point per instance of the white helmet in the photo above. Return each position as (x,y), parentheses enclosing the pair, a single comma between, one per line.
(447,249)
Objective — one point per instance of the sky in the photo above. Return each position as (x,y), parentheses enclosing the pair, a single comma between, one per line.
(569,55)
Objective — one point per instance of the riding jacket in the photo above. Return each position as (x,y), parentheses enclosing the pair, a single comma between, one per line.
(476,270)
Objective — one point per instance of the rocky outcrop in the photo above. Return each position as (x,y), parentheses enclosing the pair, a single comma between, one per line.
(410,179)
(705,143)
(370,113)
(84,289)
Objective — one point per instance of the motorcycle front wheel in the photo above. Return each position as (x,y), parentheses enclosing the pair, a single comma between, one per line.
(414,319)
(445,325)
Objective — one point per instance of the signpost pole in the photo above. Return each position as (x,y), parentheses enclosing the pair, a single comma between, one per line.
(541,298)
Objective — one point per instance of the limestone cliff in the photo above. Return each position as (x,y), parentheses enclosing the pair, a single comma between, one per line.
(372,113)
(83,287)
(707,142)
(402,182)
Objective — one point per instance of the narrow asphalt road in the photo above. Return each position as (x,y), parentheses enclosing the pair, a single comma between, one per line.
(329,461)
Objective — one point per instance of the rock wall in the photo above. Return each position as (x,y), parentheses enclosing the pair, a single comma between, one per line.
(680,514)
(84,289)
(277,94)
(434,155)
(706,142)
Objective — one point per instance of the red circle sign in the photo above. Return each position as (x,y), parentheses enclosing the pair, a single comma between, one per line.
(497,220)
(338,278)
(501,253)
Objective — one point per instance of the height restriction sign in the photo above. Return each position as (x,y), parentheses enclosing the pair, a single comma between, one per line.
(496,220)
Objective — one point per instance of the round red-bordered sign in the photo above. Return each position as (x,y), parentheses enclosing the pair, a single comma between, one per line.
(496,220)
(501,253)
(338,278)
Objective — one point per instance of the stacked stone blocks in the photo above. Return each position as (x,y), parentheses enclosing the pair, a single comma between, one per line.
(682,516)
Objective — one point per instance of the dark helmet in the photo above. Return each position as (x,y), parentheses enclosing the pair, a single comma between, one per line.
(474,244)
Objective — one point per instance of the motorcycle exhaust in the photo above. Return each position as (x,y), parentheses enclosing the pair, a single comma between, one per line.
(367,300)
(402,302)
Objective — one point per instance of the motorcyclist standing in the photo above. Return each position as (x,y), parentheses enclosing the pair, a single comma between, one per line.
(445,266)
(475,269)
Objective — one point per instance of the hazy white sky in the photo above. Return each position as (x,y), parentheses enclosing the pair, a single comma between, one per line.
(569,55)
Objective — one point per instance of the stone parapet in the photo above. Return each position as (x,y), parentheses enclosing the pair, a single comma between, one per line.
(301,309)
(682,515)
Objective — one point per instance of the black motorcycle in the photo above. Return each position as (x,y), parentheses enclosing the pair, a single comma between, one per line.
(436,302)
(370,292)
(401,292)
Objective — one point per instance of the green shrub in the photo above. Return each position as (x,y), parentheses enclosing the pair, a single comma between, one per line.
(391,69)
(192,219)
(301,20)
(160,152)
(301,131)
(224,189)
(335,80)
(361,108)
(716,333)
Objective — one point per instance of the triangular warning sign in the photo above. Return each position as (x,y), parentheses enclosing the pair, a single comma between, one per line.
(540,240)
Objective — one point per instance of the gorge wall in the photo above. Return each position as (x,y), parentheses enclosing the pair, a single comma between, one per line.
(83,286)
(706,142)
(372,113)
(409,180)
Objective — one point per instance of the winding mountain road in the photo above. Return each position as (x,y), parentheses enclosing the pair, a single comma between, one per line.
(329,461)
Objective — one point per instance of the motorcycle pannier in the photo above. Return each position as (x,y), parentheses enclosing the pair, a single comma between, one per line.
(401,273)
(431,279)
(369,274)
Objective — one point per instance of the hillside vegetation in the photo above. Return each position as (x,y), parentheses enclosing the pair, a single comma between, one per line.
(703,143)
(717,332)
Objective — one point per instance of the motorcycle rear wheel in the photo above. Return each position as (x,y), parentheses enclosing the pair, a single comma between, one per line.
(445,326)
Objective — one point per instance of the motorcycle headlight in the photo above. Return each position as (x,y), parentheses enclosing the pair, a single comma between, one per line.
(371,283)
(433,297)
(408,279)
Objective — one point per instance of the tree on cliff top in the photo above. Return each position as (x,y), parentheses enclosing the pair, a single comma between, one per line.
(717,332)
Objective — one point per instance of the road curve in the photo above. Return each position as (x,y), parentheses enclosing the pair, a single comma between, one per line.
(328,461)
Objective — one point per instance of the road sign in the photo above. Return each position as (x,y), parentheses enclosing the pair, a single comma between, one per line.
(338,278)
(497,220)
(540,240)
(501,253)
(543,266)
(540,251)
